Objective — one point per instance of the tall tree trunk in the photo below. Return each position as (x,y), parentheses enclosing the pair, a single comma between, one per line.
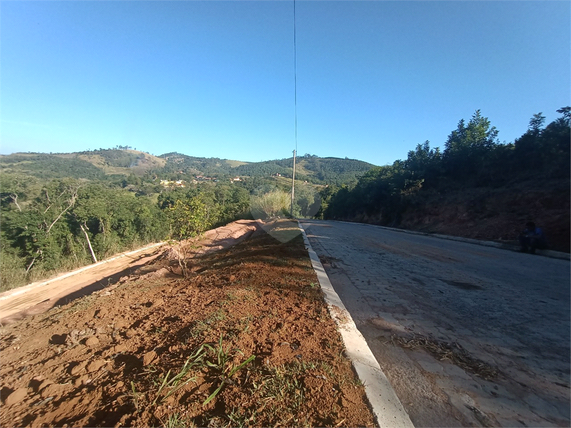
(14,197)
(88,242)
(71,203)
(39,253)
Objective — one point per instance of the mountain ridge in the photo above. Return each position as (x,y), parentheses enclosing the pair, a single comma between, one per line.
(97,164)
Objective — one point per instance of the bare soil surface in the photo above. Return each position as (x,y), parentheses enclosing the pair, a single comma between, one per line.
(39,297)
(243,338)
(493,214)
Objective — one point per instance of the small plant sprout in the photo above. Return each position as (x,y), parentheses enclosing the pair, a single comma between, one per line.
(136,395)
(221,365)
(177,421)
(172,385)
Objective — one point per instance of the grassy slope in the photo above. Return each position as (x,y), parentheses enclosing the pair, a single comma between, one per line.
(235,163)
(81,165)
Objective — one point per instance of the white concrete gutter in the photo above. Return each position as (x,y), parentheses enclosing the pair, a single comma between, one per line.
(387,408)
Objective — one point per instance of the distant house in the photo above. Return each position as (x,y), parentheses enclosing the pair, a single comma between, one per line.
(169,183)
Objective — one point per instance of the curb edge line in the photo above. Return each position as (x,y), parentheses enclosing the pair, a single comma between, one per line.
(385,404)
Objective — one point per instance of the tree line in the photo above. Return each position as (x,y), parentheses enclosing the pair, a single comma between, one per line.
(472,157)
(65,223)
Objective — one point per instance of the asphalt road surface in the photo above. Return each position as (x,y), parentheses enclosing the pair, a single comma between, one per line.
(468,335)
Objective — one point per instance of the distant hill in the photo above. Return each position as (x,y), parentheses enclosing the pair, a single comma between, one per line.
(311,168)
(98,164)
(47,166)
(115,161)
(184,164)
(91,165)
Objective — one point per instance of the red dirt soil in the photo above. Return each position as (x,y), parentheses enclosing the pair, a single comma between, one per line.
(39,297)
(151,349)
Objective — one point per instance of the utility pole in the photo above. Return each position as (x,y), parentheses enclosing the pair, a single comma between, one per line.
(293,183)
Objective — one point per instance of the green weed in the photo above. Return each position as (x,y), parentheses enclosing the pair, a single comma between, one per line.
(230,297)
(284,390)
(203,325)
(176,421)
(170,386)
(326,368)
(135,396)
(239,417)
(221,365)
(219,315)
(244,323)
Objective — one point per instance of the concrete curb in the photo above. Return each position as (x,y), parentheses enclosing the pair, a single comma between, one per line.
(34,285)
(386,406)
(504,246)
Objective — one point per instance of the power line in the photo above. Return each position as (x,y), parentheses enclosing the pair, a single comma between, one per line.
(295,106)
(295,72)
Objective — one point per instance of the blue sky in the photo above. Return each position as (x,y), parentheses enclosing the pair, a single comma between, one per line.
(215,79)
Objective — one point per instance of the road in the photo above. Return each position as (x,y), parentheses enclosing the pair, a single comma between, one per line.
(468,335)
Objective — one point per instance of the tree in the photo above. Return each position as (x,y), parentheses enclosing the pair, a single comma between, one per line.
(188,218)
(566,114)
(423,164)
(528,150)
(271,204)
(46,230)
(536,123)
(306,202)
(555,144)
(468,147)
(545,149)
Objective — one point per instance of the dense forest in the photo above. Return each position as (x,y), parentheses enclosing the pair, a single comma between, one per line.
(62,211)
(311,168)
(66,223)
(475,187)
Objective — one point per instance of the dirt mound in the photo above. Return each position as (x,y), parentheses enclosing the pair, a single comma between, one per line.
(243,339)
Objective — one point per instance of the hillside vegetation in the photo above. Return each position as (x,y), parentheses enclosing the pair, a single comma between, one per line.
(475,188)
(61,211)
(115,163)
(310,168)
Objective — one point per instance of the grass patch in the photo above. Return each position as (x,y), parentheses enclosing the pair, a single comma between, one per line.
(170,386)
(223,368)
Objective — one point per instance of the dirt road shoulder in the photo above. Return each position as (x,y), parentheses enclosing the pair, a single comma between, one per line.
(243,339)
(41,296)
